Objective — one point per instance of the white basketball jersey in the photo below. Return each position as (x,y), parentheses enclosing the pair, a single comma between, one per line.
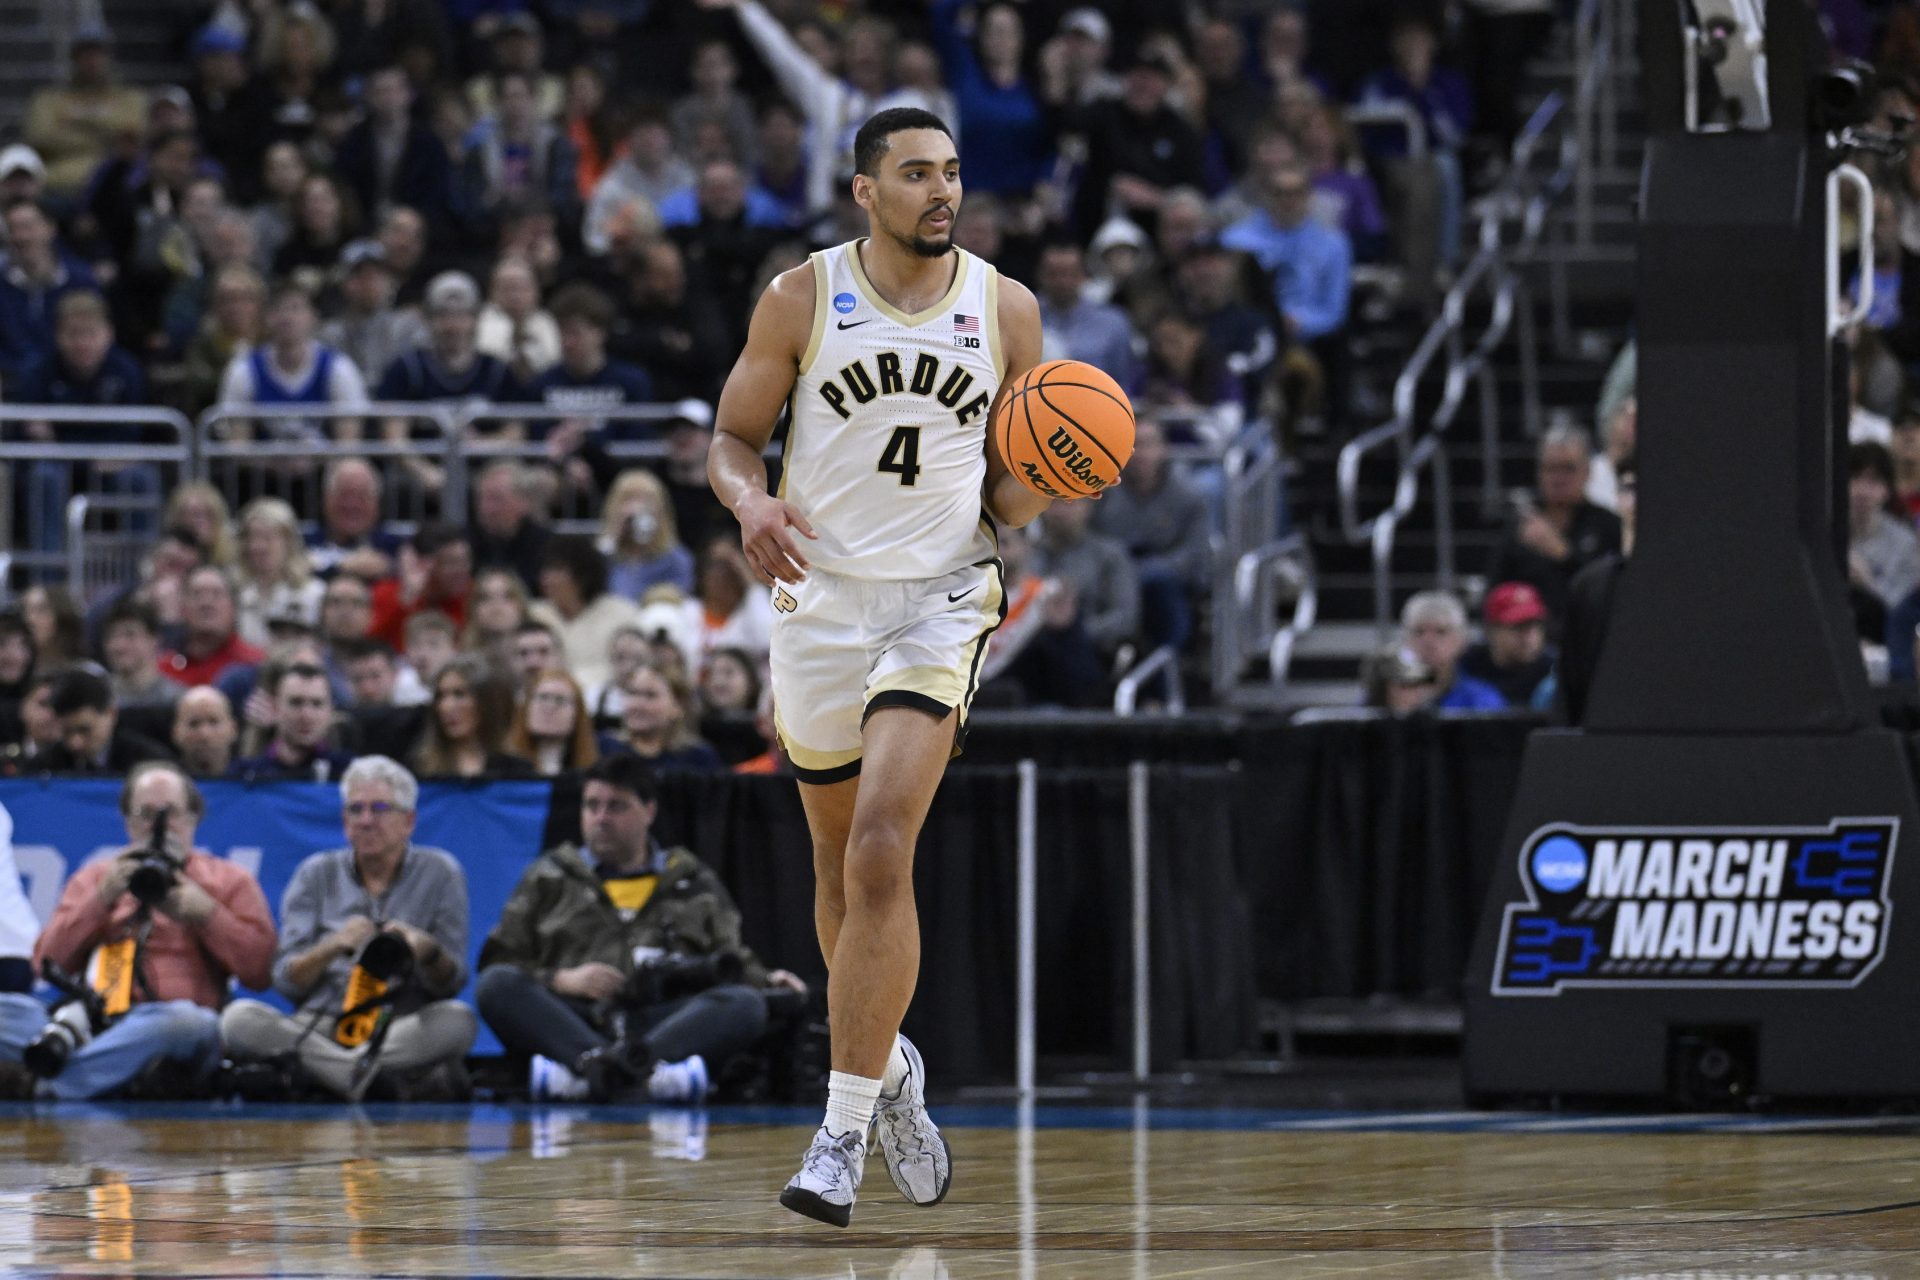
(886,456)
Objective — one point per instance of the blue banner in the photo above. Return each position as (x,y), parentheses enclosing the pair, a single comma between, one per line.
(492,830)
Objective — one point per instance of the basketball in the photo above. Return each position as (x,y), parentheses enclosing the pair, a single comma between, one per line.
(1066,429)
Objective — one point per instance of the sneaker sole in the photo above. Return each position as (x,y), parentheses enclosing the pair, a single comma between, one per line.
(944,1187)
(809,1204)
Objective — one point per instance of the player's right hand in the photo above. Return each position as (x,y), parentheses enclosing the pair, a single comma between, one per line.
(764,537)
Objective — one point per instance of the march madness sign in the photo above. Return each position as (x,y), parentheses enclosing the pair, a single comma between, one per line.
(1698,907)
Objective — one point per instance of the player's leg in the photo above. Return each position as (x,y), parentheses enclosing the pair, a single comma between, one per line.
(876,961)
(829,810)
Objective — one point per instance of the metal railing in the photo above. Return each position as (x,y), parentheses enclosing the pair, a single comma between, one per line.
(1519,208)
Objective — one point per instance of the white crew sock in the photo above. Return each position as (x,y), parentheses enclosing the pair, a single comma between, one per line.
(896,1075)
(850,1102)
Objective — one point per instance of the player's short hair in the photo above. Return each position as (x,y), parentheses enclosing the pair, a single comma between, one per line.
(875,138)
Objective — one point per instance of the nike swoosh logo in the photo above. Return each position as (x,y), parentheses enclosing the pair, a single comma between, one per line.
(854,324)
(953,599)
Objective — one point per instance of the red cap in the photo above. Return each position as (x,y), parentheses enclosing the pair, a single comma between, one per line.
(1512,604)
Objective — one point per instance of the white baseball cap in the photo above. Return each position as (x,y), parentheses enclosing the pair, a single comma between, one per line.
(21,156)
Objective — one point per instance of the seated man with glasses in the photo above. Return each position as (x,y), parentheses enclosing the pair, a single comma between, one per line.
(154,935)
(373,946)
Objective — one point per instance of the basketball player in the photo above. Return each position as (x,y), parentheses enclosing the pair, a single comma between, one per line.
(890,352)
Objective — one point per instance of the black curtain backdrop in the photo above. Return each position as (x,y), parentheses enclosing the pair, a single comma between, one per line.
(1341,859)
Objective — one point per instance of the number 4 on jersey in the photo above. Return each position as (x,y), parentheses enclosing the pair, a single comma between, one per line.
(902,454)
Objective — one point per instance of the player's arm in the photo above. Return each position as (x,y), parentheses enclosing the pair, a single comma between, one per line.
(1009,501)
(750,405)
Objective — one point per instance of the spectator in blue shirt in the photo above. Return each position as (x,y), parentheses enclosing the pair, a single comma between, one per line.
(585,380)
(86,368)
(1074,328)
(1312,269)
(1010,146)
(1433,628)
(38,273)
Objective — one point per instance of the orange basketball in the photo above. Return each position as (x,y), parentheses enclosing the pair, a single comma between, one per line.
(1066,429)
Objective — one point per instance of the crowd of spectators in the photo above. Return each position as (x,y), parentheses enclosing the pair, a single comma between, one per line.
(565,210)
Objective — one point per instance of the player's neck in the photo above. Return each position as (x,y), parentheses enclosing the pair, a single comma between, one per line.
(902,278)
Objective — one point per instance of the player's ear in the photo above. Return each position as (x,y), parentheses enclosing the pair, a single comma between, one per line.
(863,190)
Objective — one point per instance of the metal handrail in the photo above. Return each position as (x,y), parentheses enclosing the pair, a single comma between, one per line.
(1166,658)
(1390,112)
(1254,598)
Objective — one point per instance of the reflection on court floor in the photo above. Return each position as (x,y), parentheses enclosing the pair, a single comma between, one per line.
(1084,1192)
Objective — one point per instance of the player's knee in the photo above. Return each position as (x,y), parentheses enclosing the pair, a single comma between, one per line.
(878,870)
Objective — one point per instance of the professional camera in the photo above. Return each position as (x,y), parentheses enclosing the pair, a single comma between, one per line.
(76,1020)
(386,957)
(155,873)
(384,965)
(670,976)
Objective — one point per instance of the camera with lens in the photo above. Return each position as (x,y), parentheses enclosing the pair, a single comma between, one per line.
(76,1020)
(154,872)
(670,976)
(386,957)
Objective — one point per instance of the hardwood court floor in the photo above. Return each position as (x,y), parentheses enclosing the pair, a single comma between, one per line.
(146,1191)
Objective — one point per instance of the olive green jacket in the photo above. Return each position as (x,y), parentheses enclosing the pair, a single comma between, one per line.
(560,916)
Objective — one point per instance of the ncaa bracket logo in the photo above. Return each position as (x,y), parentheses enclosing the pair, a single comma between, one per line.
(1630,907)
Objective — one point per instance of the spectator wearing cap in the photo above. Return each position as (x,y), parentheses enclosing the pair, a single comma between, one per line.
(92,739)
(1074,63)
(1555,532)
(1138,148)
(1433,628)
(646,173)
(210,613)
(292,368)
(390,159)
(23,175)
(515,44)
(370,329)
(448,368)
(75,126)
(1514,658)
(37,272)
(219,53)
(516,155)
(1011,144)
(130,644)
(1074,328)
(435,573)
(87,369)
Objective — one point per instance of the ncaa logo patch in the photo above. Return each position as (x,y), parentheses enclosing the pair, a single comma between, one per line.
(1694,907)
(844,303)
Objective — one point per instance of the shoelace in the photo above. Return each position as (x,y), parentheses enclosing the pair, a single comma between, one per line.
(822,1157)
(899,1120)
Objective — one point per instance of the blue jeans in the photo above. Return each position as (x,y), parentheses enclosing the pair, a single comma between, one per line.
(172,1030)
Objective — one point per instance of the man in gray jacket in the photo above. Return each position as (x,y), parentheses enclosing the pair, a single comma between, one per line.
(1162,521)
(376,932)
(1099,570)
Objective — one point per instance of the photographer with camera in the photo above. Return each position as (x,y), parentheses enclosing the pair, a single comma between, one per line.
(373,946)
(150,938)
(620,966)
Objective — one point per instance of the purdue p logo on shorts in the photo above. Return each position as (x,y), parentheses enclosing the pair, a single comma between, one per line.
(783,600)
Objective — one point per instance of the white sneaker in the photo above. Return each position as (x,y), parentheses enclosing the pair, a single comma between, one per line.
(682,1081)
(829,1178)
(548,1081)
(918,1159)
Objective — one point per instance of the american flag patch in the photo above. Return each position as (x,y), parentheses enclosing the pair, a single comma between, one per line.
(965,324)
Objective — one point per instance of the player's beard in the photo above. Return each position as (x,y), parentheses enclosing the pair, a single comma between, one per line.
(923,247)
